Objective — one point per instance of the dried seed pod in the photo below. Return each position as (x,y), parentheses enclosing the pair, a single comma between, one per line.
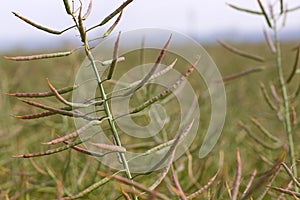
(39,56)
(44,94)
(244,10)
(264,13)
(115,58)
(153,69)
(48,30)
(241,53)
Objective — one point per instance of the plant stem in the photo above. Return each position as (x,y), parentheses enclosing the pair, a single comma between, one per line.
(108,113)
(286,110)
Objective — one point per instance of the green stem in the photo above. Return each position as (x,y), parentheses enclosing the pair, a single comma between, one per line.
(108,113)
(103,94)
(286,110)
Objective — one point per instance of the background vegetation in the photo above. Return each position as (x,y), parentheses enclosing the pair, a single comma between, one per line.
(70,172)
(41,178)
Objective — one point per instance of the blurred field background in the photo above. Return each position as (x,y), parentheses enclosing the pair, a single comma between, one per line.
(43,177)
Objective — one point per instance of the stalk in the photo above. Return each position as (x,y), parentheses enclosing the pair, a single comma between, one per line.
(108,113)
(286,110)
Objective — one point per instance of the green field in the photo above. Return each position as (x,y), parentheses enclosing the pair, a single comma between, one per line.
(70,172)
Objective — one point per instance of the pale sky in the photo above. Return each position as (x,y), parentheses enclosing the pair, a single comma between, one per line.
(200,17)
